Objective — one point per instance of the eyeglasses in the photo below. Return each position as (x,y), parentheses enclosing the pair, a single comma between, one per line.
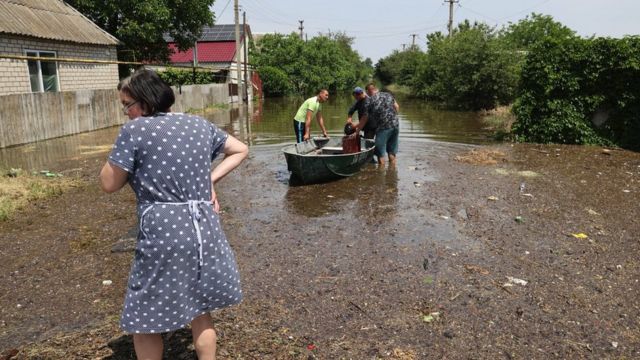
(126,107)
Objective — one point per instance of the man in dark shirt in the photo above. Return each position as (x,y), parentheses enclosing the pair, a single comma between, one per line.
(361,105)
(383,110)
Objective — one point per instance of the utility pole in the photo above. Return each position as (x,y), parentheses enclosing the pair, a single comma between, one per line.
(413,42)
(195,61)
(301,29)
(246,55)
(451,2)
(403,46)
(238,53)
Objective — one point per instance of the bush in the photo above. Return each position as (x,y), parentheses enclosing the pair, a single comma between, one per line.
(176,77)
(581,91)
(470,70)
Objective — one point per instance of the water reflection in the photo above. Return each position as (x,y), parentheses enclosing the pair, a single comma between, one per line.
(372,194)
(52,154)
(419,120)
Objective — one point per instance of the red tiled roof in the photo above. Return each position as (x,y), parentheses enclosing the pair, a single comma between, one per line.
(208,52)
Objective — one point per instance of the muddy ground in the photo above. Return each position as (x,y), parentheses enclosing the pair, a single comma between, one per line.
(428,261)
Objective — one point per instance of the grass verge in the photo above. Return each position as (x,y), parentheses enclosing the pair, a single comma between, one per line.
(18,188)
(208,109)
(499,121)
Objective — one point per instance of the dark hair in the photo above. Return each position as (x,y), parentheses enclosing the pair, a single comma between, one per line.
(370,85)
(321,90)
(146,87)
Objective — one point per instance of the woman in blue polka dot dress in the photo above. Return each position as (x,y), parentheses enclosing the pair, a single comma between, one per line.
(183,266)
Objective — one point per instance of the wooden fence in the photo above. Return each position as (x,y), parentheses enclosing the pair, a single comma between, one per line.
(25,118)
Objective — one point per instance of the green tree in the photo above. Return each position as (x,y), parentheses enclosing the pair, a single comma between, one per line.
(400,67)
(140,24)
(531,30)
(289,65)
(470,70)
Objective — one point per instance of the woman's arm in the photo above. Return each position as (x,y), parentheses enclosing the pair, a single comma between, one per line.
(235,152)
(112,178)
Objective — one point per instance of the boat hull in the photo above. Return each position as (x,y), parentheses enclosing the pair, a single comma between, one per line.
(311,164)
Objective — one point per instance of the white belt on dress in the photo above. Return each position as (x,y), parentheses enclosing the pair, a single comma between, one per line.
(195,215)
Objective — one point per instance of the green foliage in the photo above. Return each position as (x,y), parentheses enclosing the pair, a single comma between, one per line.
(288,65)
(529,31)
(581,91)
(140,24)
(470,70)
(275,81)
(400,67)
(175,77)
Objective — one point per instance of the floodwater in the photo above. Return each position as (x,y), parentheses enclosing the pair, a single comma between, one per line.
(416,261)
(268,122)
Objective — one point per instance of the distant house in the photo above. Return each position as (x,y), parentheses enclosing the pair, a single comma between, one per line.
(215,49)
(52,29)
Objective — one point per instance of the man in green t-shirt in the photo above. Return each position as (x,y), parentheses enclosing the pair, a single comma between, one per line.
(302,120)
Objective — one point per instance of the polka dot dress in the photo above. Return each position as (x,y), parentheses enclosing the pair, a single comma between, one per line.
(183,265)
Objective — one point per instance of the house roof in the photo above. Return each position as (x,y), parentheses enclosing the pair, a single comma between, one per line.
(208,52)
(50,19)
(222,32)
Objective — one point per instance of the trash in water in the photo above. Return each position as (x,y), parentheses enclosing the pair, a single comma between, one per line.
(592,212)
(522,186)
(13,172)
(516,281)
(107,282)
(518,219)
(48,173)
(492,198)
(431,317)
(580,236)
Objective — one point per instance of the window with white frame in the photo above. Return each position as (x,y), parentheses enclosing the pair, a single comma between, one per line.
(43,74)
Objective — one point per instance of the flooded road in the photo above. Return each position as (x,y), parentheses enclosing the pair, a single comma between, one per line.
(262,123)
(422,261)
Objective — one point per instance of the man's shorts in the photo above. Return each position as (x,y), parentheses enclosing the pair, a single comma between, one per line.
(387,141)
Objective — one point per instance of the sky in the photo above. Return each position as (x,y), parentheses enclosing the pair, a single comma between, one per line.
(381,26)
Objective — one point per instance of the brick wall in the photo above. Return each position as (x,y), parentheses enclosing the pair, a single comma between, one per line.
(14,74)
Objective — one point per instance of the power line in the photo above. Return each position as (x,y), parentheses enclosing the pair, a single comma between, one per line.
(401,33)
(268,12)
(223,9)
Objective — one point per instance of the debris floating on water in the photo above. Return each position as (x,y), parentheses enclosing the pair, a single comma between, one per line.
(515,281)
(580,236)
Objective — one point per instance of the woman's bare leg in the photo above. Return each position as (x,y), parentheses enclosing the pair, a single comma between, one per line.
(148,346)
(204,337)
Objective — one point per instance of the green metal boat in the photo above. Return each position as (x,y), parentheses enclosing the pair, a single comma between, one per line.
(320,160)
